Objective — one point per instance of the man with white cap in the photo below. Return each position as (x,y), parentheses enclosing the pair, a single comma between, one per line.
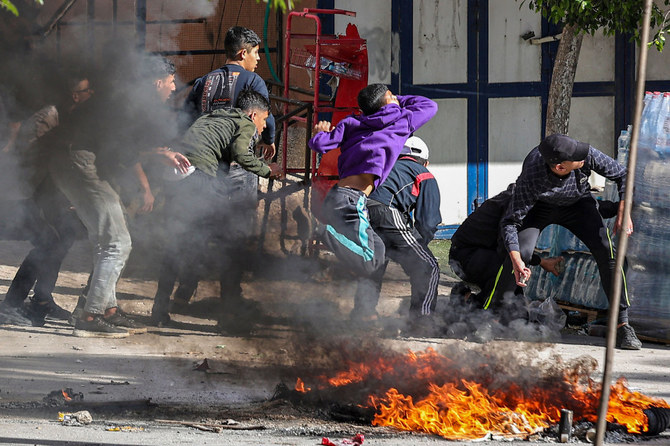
(405,211)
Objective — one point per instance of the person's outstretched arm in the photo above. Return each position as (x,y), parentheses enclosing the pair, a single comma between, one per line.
(422,109)
(326,136)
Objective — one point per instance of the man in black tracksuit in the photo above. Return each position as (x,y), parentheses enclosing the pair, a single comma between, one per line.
(405,211)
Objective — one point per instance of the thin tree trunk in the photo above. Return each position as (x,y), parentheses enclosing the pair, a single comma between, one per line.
(562,81)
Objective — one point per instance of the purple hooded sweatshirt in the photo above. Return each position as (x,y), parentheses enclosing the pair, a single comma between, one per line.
(371,144)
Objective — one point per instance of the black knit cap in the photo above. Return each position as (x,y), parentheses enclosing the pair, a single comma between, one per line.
(558,148)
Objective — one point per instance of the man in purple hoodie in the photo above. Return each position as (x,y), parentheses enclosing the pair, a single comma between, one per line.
(370,144)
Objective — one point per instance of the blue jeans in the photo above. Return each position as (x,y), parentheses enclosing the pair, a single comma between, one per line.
(99,208)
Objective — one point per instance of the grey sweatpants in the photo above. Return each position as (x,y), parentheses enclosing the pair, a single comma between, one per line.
(99,208)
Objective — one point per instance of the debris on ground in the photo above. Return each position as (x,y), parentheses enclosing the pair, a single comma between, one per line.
(213,367)
(81,418)
(123,429)
(212,427)
(203,366)
(110,383)
(357,440)
(62,396)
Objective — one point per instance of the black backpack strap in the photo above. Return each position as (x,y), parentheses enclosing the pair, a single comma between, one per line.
(218,91)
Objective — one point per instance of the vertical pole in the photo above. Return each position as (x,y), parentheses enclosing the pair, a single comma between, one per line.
(623,238)
(90,28)
(472,163)
(287,81)
(310,164)
(115,14)
(141,23)
(482,141)
(58,38)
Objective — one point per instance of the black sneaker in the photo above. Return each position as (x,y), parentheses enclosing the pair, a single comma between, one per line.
(11,315)
(50,309)
(57,312)
(78,311)
(626,339)
(160,319)
(36,313)
(98,328)
(423,327)
(460,289)
(120,319)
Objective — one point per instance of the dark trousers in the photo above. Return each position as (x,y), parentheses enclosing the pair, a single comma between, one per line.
(53,229)
(348,232)
(476,265)
(201,219)
(404,245)
(585,222)
(242,188)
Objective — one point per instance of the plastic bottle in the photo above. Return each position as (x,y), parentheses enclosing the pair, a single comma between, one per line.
(645,114)
(649,118)
(622,147)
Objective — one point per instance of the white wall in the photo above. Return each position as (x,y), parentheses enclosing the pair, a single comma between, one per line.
(448,144)
(440,41)
(514,129)
(373,20)
(596,59)
(592,121)
(440,56)
(657,64)
(512,59)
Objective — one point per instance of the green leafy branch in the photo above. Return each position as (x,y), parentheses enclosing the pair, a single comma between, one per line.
(620,16)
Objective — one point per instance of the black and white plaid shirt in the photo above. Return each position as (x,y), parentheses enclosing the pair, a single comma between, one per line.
(538,183)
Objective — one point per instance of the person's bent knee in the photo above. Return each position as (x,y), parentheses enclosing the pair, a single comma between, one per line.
(372,266)
(122,247)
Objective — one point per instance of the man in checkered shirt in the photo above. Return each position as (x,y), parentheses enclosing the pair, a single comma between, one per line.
(554,188)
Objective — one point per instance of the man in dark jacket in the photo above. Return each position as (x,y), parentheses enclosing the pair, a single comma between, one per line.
(475,256)
(219,90)
(104,135)
(553,188)
(405,211)
(199,204)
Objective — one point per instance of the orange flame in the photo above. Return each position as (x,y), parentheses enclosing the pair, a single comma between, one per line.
(458,408)
(625,407)
(465,411)
(65,395)
(300,386)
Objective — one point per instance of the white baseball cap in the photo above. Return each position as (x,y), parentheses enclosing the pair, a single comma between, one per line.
(415,146)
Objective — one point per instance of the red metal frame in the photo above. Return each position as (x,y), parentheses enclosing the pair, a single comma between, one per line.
(318,106)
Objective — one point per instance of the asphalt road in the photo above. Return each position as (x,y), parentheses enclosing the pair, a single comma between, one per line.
(131,383)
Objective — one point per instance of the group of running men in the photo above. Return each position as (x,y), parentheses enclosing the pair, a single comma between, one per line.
(384,206)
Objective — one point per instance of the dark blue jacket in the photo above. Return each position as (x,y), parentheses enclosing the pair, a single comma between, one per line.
(410,187)
(240,79)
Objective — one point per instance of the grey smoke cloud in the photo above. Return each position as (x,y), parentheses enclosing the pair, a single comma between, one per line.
(189,9)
